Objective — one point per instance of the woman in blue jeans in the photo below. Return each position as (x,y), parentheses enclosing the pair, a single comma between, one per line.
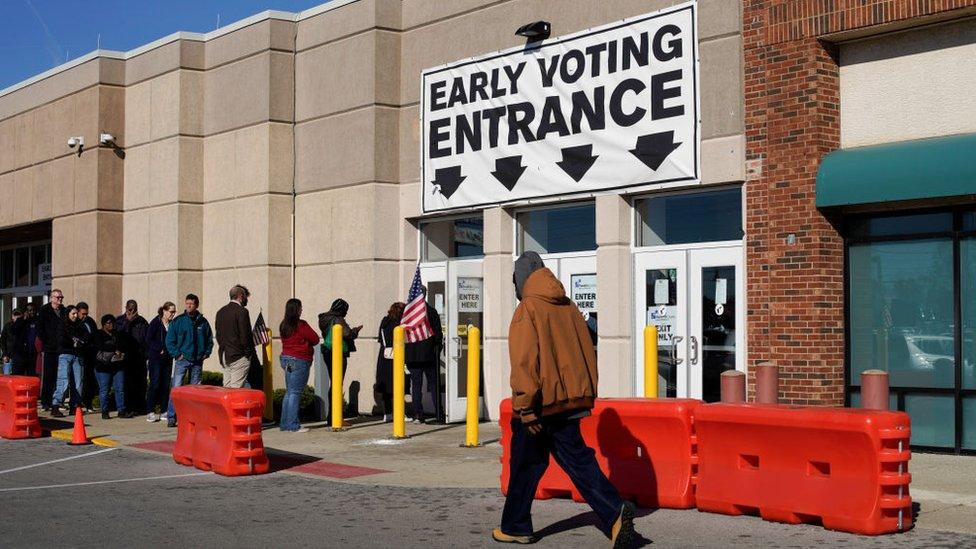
(298,341)
(73,339)
(109,368)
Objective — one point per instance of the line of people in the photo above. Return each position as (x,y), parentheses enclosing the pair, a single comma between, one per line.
(138,361)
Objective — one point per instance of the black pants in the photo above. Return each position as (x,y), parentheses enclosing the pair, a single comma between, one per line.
(529,461)
(135,384)
(21,367)
(418,372)
(89,384)
(49,377)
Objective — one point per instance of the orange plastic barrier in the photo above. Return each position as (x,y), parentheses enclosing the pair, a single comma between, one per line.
(18,407)
(844,468)
(219,429)
(646,447)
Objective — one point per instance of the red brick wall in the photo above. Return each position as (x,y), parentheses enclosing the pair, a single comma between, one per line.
(796,292)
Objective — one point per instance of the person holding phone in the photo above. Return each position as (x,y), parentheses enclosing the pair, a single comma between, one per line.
(337,315)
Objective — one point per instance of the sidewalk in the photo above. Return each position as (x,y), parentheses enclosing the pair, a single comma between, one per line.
(943,486)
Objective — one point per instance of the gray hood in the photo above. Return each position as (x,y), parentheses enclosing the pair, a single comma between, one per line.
(525,265)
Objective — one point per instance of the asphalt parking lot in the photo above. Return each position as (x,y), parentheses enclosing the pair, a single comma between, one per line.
(58,495)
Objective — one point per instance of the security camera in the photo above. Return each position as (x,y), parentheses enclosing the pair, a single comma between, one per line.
(76,142)
(106,139)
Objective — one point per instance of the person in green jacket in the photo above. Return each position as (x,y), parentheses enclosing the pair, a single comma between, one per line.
(189,341)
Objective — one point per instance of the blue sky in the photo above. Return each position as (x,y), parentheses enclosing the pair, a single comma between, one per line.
(36,35)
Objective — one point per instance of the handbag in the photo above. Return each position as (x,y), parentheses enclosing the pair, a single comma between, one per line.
(327,344)
(387,351)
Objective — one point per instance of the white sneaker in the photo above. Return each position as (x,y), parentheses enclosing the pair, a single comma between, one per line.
(163,416)
(386,418)
(152,417)
(301,430)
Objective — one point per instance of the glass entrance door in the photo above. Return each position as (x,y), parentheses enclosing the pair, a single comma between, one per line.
(465,307)
(691,296)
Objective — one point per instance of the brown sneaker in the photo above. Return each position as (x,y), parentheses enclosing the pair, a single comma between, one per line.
(502,537)
(622,534)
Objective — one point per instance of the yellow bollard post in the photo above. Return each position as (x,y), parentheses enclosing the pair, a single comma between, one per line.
(650,361)
(336,398)
(268,381)
(399,385)
(474,378)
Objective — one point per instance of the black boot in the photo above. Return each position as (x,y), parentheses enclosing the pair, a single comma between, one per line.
(104,414)
(56,412)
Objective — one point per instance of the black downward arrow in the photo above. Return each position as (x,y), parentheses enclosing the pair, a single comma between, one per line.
(577,161)
(447,180)
(508,170)
(653,149)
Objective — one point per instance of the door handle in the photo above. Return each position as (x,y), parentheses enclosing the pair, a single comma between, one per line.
(457,348)
(694,350)
(675,340)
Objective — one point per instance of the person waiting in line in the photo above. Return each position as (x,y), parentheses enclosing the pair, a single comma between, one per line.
(384,360)
(189,341)
(15,345)
(234,338)
(423,362)
(50,324)
(554,385)
(160,363)
(87,357)
(131,328)
(73,338)
(337,315)
(110,368)
(298,341)
(31,341)
(7,343)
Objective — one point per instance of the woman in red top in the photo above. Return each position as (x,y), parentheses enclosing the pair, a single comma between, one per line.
(298,341)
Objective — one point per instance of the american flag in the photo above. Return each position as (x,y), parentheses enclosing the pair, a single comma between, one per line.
(415,324)
(260,331)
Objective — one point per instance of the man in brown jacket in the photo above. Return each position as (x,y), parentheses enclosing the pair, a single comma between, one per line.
(554,380)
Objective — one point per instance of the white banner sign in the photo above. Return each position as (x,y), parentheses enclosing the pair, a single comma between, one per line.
(44,274)
(609,108)
(469,292)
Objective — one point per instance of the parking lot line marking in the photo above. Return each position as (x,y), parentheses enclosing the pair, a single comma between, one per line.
(73,484)
(57,460)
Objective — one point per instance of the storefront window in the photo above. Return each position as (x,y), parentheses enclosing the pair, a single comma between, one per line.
(933,419)
(967,288)
(901,310)
(6,268)
(558,230)
(969,423)
(900,225)
(452,239)
(689,218)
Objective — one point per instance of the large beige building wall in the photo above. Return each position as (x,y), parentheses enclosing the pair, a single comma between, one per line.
(909,85)
(78,191)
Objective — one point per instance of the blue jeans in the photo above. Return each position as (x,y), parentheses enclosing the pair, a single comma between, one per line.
(529,461)
(179,369)
(68,366)
(296,377)
(8,367)
(116,381)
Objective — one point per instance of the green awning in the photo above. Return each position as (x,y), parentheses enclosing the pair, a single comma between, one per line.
(908,170)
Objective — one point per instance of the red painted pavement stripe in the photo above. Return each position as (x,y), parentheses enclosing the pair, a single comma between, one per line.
(320,468)
(307,465)
(162,446)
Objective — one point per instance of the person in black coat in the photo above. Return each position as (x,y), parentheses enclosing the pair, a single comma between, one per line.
(131,328)
(337,315)
(384,366)
(73,338)
(423,362)
(7,343)
(50,324)
(15,345)
(160,363)
(110,367)
(87,356)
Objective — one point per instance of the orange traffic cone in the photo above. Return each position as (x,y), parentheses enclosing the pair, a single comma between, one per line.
(79,437)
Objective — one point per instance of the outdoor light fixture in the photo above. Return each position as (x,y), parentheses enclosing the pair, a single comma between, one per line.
(106,139)
(78,141)
(534,31)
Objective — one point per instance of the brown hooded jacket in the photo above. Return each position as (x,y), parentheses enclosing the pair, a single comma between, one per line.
(553,362)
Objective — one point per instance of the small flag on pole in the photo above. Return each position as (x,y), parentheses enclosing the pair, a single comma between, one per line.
(415,324)
(260,331)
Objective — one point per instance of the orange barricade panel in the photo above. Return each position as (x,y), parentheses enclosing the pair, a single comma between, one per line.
(844,468)
(18,407)
(646,447)
(219,429)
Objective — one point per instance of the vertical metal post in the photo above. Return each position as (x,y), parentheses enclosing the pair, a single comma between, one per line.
(474,382)
(874,390)
(399,385)
(268,380)
(767,383)
(733,386)
(650,362)
(336,399)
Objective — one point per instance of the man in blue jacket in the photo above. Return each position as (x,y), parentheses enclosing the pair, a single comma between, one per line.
(189,341)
